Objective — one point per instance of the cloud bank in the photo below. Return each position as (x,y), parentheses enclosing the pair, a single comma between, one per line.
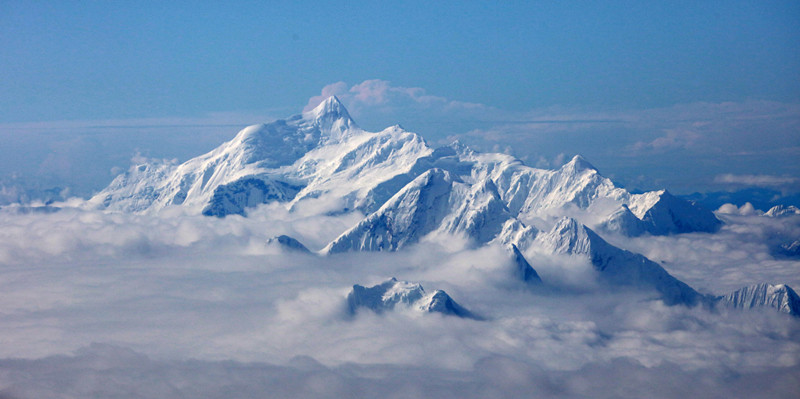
(98,305)
(110,371)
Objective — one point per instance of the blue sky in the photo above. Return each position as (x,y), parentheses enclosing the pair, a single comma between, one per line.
(643,89)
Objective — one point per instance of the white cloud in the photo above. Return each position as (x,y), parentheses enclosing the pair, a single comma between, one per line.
(379,97)
(101,371)
(740,254)
(164,289)
(745,210)
(673,139)
(756,180)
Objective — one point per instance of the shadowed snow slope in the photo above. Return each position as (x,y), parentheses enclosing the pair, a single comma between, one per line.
(617,266)
(434,201)
(288,243)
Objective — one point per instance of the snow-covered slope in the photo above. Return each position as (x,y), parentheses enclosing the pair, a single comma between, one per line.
(305,156)
(780,210)
(616,266)
(780,297)
(393,294)
(531,192)
(214,183)
(434,201)
(418,209)
(323,154)
(409,190)
(660,213)
(524,270)
(623,221)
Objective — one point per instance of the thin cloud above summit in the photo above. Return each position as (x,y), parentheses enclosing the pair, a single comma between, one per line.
(381,93)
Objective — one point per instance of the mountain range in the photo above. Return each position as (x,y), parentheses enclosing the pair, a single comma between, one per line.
(407,190)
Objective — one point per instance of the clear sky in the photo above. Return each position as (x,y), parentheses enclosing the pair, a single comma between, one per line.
(639,87)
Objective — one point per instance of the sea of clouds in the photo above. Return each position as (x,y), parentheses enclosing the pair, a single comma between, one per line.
(102,305)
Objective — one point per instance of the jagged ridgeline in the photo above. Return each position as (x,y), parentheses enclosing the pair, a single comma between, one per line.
(323,153)
(408,190)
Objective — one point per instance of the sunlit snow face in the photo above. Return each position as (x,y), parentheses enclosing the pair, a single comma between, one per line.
(178,286)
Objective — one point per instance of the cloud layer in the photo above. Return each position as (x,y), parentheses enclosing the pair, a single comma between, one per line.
(111,371)
(163,289)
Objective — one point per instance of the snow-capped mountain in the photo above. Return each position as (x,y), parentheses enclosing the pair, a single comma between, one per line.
(615,265)
(317,153)
(660,213)
(409,190)
(324,154)
(434,201)
(780,210)
(393,294)
(779,296)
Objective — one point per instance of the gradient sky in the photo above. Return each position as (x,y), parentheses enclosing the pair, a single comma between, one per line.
(628,77)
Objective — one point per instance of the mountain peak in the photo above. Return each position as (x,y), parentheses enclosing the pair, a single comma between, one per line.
(333,120)
(392,294)
(461,148)
(332,107)
(778,296)
(578,163)
(568,236)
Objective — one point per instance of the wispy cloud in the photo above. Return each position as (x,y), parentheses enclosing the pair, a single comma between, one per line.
(381,93)
(756,180)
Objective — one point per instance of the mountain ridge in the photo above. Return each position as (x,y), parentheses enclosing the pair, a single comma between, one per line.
(408,190)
